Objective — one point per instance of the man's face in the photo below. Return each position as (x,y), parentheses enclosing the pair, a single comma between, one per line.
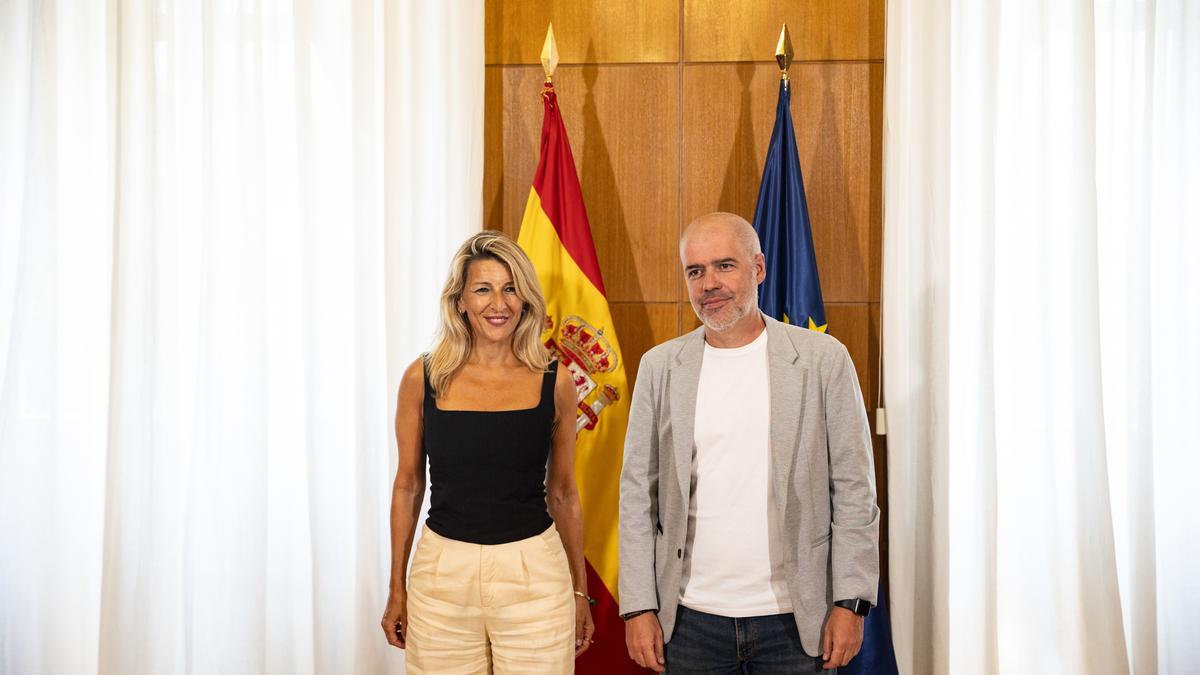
(722,277)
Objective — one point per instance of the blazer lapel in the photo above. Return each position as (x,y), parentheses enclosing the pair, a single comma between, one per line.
(684,383)
(787,393)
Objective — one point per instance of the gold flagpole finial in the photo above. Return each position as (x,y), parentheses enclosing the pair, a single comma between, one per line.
(549,53)
(783,52)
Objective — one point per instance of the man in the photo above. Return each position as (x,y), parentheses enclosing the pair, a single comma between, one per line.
(749,530)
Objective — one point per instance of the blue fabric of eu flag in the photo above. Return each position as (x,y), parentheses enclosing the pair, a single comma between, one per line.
(791,292)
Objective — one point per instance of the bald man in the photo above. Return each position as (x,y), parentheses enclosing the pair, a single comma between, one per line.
(749,530)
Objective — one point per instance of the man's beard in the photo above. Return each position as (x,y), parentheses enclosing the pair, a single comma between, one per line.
(734,313)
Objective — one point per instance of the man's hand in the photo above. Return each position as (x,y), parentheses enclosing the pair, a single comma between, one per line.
(843,637)
(644,639)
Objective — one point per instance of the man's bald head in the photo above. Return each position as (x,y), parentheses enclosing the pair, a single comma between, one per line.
(721,223)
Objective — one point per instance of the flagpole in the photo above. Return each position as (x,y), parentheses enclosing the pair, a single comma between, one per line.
(783,54)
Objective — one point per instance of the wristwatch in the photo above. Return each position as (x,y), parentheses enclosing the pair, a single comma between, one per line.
(858,606)
(630,615)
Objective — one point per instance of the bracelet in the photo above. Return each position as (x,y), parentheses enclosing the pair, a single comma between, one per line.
(590,600)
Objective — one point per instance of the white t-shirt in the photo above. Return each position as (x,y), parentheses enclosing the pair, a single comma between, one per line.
(729,567)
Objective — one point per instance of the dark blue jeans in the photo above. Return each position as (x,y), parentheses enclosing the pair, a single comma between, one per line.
(758,645)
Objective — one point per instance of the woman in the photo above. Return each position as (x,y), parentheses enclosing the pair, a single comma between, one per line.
(497,581)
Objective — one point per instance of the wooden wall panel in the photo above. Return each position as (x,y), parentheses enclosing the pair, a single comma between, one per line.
(850,323)
(748,30)
(875,194)
(623,126)
(640,326)
(728,113)
(728,110)
(688,321)
(496,116)
(833,131)
(613,31)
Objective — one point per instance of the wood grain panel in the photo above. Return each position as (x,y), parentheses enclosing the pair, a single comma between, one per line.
(640,326)
(495,150)
(748,30)
(851,324)
(688,321)
(871,396)
(728,113)
(623,125)
(614,31)
(875,258)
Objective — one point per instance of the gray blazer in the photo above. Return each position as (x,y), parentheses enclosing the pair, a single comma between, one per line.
(822,469)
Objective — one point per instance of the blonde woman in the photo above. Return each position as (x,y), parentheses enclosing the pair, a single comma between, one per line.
(497,582)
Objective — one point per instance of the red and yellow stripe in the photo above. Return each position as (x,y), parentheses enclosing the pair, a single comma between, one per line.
(556,235)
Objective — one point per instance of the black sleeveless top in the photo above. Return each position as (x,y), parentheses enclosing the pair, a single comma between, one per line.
(487,470)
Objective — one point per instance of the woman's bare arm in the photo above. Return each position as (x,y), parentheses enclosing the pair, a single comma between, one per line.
(562,499)
(408,492)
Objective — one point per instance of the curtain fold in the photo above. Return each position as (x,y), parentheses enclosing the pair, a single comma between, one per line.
(1040,360)
(225,227)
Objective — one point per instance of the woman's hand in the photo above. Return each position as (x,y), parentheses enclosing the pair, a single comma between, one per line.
(395,618)
(584,628)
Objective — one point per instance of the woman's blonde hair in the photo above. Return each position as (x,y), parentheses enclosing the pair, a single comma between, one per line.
(454,340)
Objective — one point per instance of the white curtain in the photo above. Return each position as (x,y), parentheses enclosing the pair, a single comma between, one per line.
(1041,238)
(223,229)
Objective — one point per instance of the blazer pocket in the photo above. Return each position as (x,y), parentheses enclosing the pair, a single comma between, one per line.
(822,539)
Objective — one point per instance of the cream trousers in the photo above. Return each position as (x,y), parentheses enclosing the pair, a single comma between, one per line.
(506,608)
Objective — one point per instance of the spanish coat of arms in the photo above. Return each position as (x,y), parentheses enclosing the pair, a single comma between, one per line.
(585,352)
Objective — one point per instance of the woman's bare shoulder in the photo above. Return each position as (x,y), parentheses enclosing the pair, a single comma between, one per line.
(413,379)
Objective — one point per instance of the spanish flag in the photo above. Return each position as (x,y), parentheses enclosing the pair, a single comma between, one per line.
(579,331)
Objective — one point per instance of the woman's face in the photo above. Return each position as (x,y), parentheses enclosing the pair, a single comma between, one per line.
(490,301)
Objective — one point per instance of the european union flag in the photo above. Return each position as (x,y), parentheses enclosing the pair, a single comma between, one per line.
(791,292)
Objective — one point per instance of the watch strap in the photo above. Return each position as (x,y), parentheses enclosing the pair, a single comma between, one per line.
(857,605)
